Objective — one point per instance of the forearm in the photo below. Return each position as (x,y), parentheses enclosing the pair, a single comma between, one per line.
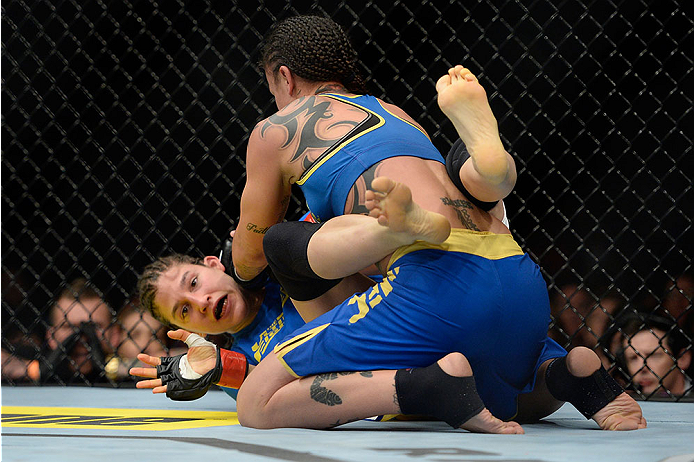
(247,254)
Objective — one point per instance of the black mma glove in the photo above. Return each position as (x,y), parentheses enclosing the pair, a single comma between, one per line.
(184,384)
(256,283)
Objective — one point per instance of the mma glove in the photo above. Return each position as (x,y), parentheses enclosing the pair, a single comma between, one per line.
(184,384)
(257,283)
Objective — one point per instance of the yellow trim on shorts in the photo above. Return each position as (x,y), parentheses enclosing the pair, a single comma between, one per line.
(324,158)
(285,347)
(481,243)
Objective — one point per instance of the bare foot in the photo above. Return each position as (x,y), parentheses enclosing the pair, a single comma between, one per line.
(485,422)
(392,204)
(457,365)
(623,413)
(464,101)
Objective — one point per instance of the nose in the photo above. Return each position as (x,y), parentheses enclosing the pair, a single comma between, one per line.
(202,302)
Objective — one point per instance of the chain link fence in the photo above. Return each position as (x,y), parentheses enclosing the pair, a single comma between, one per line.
(124,125)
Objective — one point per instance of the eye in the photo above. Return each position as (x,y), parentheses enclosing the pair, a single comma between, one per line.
(194,282)
(184,311)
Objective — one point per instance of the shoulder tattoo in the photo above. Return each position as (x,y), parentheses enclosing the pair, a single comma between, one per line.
(301,126)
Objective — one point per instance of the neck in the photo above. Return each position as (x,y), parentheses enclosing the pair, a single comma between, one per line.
(330,87)
(253,300)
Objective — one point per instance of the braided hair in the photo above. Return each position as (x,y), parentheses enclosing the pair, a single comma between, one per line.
(314,48)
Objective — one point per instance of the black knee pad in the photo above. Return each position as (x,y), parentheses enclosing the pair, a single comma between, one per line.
(455,159)
(432,392)
(285,245)
(587,394)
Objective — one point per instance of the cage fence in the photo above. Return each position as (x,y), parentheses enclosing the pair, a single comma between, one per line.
(124,127)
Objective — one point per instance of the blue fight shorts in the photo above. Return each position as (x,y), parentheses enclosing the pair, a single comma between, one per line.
(476,293)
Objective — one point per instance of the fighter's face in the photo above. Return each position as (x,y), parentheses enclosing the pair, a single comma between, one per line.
(201,298)
(648,362)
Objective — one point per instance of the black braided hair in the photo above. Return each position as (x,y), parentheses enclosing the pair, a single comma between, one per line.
(314,48)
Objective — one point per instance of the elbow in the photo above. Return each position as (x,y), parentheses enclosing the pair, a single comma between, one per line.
(250,415)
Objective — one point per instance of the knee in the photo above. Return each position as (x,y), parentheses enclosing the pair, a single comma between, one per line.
(455,364)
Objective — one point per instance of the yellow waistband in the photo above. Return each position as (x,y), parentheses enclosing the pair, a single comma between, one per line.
(483,244)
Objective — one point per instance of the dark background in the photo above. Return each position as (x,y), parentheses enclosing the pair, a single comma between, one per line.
(124,127)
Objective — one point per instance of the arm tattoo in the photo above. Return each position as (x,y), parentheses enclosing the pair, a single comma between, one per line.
(301,124)
(356,197)
(252,227)
(461,208)
(328,397)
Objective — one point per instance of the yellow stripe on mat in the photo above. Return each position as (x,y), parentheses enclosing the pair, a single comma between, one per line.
(121,419)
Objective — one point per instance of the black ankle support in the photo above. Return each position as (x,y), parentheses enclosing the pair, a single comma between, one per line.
(587,394)
(285,246)
(455,159)
(431,392)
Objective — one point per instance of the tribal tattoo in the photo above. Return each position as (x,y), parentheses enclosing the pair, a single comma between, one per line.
(302,124)
(328,397)
(356,199)
(461,209)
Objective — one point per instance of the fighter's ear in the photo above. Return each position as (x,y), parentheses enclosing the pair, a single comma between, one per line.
(213,262)
(287,79)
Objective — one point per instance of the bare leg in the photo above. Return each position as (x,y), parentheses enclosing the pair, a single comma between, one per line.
(346,244)
(271,398)
(492,173)
(539,403)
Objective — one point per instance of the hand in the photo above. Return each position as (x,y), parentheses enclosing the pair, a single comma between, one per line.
(187,372)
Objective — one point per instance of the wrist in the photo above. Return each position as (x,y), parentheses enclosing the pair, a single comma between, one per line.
(236,273)
(234,368)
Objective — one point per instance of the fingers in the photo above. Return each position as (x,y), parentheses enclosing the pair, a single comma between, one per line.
(154,383)
(149,360)
(160,389)
(146,372)
(178,334)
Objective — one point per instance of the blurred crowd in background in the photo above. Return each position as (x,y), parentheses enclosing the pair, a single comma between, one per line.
(648,348)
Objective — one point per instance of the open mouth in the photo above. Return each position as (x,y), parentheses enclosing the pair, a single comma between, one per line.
(219,308)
